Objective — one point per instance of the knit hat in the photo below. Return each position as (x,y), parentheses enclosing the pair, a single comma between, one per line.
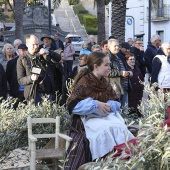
(22,46)
(125,45)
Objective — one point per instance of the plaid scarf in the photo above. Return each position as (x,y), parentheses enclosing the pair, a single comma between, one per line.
(90,86)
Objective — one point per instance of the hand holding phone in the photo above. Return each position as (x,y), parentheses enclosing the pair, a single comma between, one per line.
(34,77)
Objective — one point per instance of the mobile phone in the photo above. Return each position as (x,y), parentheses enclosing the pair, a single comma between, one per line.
(36,70)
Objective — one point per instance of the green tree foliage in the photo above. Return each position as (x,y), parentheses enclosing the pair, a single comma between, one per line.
(89,21)
(107,2)
(3,16)
(91,24)
(73,2)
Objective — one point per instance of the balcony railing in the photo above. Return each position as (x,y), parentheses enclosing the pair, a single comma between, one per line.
(160,14)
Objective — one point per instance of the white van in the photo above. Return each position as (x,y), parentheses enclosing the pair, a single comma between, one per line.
(76,40)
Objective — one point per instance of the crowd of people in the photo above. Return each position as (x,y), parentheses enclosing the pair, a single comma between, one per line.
(31,70)
(106,80)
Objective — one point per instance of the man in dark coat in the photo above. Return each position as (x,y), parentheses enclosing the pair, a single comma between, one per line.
(58,43)
(91,42)
(138,51)
(47,43)
(124,50)
(35,71)
(151,51)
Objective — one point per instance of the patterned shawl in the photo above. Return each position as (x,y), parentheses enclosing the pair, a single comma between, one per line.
(90,86)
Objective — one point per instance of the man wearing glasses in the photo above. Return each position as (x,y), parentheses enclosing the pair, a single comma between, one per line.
(35,71)
(138,51)
(82,64)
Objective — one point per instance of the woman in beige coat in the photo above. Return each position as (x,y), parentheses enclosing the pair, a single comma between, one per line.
(69,51)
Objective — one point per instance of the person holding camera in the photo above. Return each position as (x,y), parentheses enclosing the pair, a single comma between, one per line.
(35,71)
(47,43)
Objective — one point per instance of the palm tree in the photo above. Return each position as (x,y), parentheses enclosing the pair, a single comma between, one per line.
(119,16)
(101,20)
(18,8)
(118,19)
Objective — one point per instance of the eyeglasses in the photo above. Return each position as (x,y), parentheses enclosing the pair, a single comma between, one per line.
(138,43)
(97,50)
(81,59)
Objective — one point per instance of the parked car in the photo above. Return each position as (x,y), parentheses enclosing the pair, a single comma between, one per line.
(9,26)
(1,31)
(77,41)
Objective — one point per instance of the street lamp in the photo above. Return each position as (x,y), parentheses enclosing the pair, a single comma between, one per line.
(49,16)
(149,21)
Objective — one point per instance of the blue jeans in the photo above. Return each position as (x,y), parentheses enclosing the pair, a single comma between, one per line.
(124,101)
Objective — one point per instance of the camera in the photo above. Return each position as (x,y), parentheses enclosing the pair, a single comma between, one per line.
(36,57)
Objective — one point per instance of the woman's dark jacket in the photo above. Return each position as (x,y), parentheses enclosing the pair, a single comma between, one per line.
(139,55)
(3,83)
(135,96)
(11,75)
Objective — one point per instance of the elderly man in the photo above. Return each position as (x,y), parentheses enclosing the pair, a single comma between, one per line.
(130,42)
(91,42)
(161,71)
(119,74)
(47,43)
(16,43)
(161,68)
(36,71)
(138,51)
(58,43)
(151,52)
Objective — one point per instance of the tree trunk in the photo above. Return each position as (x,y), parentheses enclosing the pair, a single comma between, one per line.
(101,20)
(118,19)
(19,7)
(10,5)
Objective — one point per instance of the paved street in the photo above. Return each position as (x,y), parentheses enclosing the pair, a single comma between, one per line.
(69,22)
